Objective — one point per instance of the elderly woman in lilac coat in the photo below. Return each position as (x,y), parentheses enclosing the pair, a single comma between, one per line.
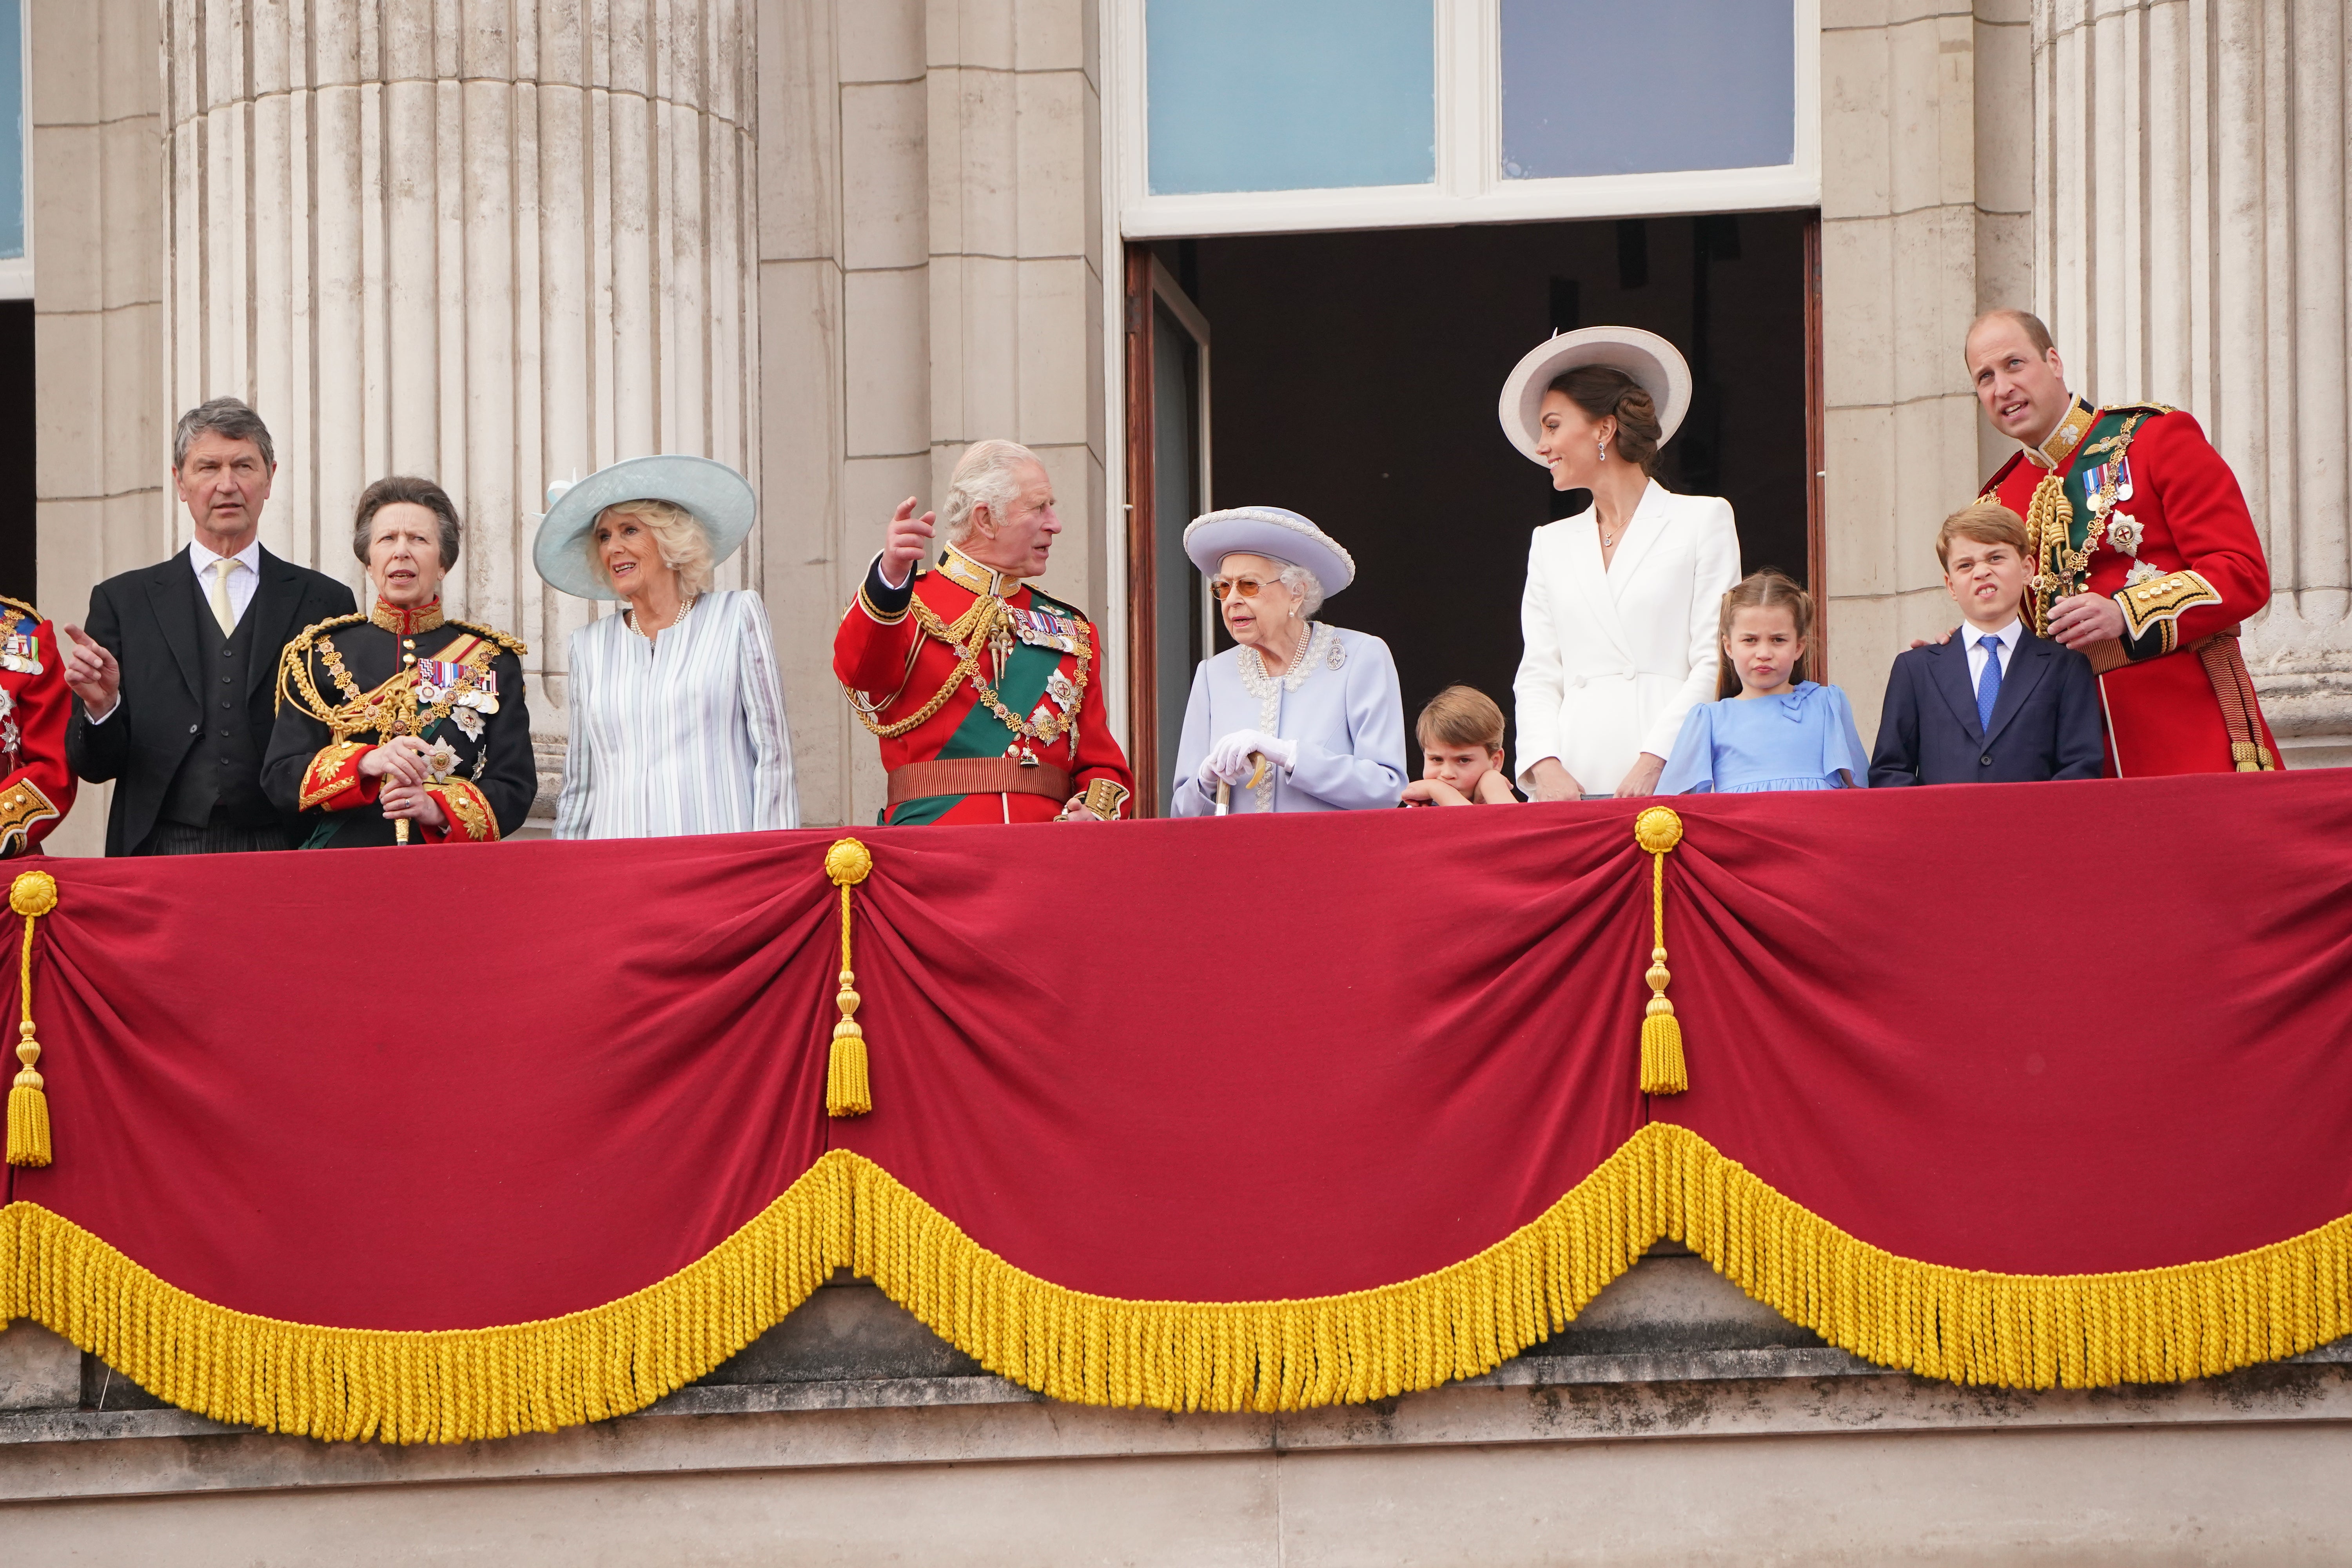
(1300,716)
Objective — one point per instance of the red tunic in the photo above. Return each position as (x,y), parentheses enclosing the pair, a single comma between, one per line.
(871,653)
(37,788)
(2195,532)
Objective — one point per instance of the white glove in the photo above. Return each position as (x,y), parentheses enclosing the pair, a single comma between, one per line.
(1229,759)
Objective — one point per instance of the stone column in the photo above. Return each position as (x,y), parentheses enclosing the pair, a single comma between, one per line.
(97,200)
(931,268)
(2191,247)
(493,242)
(1924,176)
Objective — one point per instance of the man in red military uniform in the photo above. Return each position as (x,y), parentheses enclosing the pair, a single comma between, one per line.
(2147,559)
(986,695)
(36,787)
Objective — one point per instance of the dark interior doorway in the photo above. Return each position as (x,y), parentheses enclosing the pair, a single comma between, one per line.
(19,564)
(1356,379)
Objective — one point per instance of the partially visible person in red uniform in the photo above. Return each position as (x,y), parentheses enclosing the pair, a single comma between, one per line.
(36,787)
(2147,559)
(985,694)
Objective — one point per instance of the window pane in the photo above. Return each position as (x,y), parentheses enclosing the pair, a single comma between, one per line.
(12,129)
(1246,95)
(1597,87)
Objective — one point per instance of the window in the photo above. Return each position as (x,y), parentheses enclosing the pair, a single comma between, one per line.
(1239,117)
(1687,84)
(1248,96)
(15,221)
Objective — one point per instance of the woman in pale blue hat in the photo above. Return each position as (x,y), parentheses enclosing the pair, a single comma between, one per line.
(677,719)
(1300,716)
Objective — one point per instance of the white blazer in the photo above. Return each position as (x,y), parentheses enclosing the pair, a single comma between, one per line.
(1615,657)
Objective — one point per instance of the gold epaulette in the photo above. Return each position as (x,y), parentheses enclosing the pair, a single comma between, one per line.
(30,612)
(491,634)
(2137,409)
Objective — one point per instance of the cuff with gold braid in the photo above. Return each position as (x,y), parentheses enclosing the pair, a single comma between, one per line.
(333,782)
(467,810)
(879,600)
(2152,611)
(1105,799)
(22,804)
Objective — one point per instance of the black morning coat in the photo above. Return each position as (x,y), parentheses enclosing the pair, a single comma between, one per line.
(497,762)
(2046,722)
(148,619)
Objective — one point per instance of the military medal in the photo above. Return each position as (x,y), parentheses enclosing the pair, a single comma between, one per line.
(1039,629)
(21,651)
(463,687)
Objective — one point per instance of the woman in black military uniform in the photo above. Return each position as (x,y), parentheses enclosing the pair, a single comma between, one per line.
(401,725)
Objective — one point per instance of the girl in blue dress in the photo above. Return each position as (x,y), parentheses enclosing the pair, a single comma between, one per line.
(1767,730)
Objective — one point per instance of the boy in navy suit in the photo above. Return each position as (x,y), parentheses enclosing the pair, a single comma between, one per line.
(1994,704)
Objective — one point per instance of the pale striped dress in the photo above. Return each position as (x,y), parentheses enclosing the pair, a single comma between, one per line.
(682,735)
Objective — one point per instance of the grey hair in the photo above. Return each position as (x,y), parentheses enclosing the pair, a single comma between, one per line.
(1306,584)
(984,477)
(1293,576)
(222,416)
(684,543)
(413,491)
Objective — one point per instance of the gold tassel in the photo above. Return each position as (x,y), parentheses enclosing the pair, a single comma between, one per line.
(847,1091)
(1658,830)
(33,894)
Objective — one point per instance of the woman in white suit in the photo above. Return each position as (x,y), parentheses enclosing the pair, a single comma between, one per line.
(1622,599)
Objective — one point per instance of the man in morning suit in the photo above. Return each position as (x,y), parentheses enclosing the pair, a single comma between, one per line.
(983,691)
(174,680)
(1994,704)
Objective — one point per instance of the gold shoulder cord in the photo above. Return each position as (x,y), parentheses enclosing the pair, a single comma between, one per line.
(967,636)
(2050,525)
(391,708)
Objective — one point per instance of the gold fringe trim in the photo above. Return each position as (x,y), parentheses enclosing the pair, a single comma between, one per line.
(2020,1331)
(453,1386)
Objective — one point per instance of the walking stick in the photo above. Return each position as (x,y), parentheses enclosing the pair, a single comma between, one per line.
(1225,788)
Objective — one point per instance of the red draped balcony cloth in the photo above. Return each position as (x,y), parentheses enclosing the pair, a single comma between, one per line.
(2027,1085)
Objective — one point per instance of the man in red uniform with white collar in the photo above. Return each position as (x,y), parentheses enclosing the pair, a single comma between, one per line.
(2146,562)
(985,694)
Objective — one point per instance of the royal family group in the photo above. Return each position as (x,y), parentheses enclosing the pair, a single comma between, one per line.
(238,701)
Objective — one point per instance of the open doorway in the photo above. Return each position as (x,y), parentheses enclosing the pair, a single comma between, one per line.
(1356,376)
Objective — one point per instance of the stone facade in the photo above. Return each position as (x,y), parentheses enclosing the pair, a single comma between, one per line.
(1927,182)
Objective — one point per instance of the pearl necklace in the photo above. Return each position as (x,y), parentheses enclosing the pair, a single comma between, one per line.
(637,625)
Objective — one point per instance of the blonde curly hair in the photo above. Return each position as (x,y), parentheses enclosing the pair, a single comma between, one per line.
(685,542)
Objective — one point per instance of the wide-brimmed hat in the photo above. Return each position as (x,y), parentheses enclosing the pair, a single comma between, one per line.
(720,498)
(1271,532)
(1648,358)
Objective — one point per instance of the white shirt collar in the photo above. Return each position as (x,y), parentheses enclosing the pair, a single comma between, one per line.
(2008,635)
(200,557)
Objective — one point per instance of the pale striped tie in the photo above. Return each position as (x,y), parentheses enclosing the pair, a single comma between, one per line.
(221,610)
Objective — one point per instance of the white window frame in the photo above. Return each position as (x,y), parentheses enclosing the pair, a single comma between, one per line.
(1470,187)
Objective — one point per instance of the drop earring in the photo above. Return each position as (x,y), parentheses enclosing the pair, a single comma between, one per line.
(1601,445)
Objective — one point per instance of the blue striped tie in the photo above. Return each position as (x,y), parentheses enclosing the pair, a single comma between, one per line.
(1989,683)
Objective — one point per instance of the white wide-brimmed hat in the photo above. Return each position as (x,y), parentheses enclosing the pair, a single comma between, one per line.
(720,498)
(1271,532)
(1648,358)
